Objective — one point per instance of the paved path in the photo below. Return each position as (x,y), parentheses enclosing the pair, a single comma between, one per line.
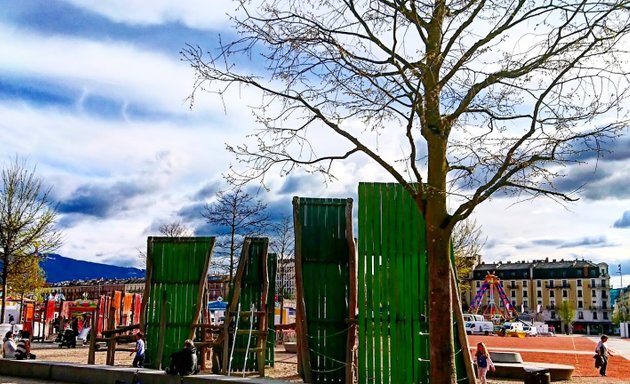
(21,380)
(618,345)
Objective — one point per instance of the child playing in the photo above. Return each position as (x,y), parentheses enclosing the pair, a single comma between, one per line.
(138,361)
(483,362)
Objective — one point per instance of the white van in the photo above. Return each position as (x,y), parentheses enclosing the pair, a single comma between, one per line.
(479,327)
(513,327)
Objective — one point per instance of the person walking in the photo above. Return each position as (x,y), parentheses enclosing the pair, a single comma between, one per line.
(604,353)
(138,360)
(484,363)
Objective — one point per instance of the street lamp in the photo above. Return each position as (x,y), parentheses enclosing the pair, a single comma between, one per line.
(622,292)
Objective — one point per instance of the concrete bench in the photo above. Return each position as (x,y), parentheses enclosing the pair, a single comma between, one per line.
(511,365)
(98,374)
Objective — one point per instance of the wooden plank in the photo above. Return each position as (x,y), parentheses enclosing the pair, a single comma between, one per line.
(363,244)
(301,322)
(93,335)
(369,286)
(352,300)
(162,330)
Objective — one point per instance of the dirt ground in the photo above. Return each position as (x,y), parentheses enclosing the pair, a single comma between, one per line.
(285,367)
(559,350)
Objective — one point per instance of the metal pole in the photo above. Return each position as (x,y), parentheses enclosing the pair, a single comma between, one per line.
(622,293)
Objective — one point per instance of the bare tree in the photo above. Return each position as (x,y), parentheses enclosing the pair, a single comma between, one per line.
(171,229)
(240,215)
(468,241)
(283,244)
(27,220)
(174,229)
(482,97)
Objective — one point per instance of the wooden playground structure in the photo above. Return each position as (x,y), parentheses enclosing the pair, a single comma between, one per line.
(362,304)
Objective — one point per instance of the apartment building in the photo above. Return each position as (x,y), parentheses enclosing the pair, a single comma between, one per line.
(537,288)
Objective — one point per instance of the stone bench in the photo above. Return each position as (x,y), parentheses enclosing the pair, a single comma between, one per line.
(511,365)
(98,374)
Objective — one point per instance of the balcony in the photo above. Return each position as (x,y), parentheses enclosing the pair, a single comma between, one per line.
(551,286)
(512,286)
(597,285)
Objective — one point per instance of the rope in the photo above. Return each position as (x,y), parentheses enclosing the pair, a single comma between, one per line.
(238,314)
(328,357)
(249,337)
(329,335)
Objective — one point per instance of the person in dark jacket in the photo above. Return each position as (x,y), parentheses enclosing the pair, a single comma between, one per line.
(184,362)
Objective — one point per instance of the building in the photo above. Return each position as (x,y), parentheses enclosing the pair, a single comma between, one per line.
(620,297)
(218,287)
(95,288)
(537,288)
(285,278)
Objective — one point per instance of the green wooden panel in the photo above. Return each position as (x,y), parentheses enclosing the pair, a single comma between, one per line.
(324,252)
(272,268)
(251,294)
(393,289)
(178,266)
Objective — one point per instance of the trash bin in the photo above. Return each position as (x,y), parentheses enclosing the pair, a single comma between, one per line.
(537,376)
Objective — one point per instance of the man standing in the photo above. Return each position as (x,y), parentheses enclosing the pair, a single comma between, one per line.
(604,352)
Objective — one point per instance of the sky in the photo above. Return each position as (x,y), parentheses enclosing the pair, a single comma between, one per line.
(95,96)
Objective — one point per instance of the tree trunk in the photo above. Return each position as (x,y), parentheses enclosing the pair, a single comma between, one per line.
(440,314)
(5,274)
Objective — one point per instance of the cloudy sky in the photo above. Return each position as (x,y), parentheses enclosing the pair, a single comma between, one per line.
(94,94)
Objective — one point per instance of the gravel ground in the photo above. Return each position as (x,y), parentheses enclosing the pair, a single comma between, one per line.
(285,367)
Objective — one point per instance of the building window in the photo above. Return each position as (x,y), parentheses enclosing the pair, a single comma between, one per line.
(564,283)
(550,283)
(524,293)
(581,315)
(513,303)
(478,284)
(605,315)
(525,304)
(538,283)
(604,295)
(603,283)
(604,304)
(539,302)
(592,283)
(580,304)
(565,293)
(553,314)
(513,293)
(594,315)
(594,293)
(551,293)
(579,293)
(579,282)
(539,294)
(524,283)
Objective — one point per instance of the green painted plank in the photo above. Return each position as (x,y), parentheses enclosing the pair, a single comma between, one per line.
(324,250)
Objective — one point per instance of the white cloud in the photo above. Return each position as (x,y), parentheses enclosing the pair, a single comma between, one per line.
(197,14)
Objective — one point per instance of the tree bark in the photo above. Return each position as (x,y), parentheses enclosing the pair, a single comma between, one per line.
(5,275)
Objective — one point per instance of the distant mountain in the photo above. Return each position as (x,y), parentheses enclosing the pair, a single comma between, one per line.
(59,268)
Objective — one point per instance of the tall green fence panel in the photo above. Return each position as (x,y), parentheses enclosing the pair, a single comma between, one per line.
(324,249)
(393,285)
(245,357)
(177,270)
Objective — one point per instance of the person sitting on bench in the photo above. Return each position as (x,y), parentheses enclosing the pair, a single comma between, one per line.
(23,350)
(184,362)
